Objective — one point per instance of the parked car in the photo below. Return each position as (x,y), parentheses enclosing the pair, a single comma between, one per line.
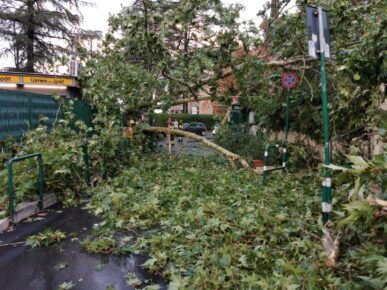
(195,127)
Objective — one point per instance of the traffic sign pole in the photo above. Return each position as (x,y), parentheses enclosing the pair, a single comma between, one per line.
(289,81)
(285,155)
(327,184)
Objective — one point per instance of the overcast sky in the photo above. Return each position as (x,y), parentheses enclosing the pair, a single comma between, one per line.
(96,17)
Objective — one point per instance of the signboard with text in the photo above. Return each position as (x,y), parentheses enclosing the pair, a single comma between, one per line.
(35,79)
(9,79)
(48,81)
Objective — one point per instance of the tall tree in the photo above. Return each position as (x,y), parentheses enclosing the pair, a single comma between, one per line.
(161,52)
(37,30)
(167,50)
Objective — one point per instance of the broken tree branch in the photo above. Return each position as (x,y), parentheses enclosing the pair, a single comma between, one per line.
(225,152)
(182,83)
(192,88)
(331,247)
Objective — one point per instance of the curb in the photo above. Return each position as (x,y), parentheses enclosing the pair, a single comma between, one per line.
(27,209)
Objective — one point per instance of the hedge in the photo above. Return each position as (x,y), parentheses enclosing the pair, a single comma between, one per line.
(161,119)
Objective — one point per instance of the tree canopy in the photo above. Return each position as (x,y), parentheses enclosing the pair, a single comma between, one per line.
(167,52)
(159,49)
(37,30)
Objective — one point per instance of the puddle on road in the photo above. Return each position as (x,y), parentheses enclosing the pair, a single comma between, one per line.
(25,268)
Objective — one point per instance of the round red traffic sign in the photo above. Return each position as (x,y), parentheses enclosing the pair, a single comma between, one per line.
(289,80)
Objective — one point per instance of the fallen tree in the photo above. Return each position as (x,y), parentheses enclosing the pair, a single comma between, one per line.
(231,156)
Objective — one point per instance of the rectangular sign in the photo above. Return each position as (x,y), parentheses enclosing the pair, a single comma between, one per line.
(313,30)
(194,110)
(9,79)
(48,81)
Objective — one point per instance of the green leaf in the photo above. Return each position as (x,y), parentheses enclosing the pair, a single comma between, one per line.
(66,285)
(382,267)
(150,262)
(133,280)
(335,167)
(152,287)
(358,161)
(61,266)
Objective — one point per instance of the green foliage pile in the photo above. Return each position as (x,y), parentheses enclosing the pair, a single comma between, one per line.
(238,140)
(208,227)
(161,119)
(63,164)
(102,244)
(63,158)
(47,237)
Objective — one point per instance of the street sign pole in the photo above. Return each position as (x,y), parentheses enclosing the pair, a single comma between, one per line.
(289,81)
(327,189)
(285,155)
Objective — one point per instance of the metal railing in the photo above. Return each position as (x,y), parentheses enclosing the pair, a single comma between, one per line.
(11,185)
(266,168)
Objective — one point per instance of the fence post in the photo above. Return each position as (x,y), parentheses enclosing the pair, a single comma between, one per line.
(30,111)
(41,182)
(86,161)
(10,191)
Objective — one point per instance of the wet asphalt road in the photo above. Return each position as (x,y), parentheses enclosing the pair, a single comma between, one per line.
(25,268)
(189,146)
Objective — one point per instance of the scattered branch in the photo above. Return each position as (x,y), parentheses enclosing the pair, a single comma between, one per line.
(13,244)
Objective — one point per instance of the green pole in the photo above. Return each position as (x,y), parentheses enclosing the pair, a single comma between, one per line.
(285,149)
(86,161)
(326,197)
(30,111)
(327,183)
(265,162)
(287,117)
(10,191)
(41,182)
(10,181)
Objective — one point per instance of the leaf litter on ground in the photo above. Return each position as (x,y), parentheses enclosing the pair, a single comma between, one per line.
(207,226)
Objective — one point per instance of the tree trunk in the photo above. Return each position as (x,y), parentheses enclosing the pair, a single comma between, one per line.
(30,37)
(231,156)
(186,64)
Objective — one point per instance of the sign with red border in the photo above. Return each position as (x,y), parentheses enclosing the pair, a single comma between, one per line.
(289,80)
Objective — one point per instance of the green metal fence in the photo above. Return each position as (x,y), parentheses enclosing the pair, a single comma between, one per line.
(20,111)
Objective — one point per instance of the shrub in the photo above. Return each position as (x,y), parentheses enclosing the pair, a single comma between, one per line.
(238,140)
(161,119)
